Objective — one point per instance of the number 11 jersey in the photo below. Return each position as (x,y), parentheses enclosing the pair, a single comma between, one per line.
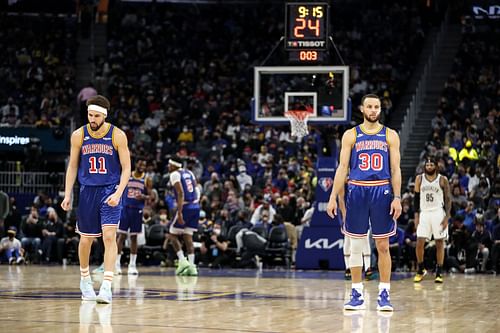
(99,161)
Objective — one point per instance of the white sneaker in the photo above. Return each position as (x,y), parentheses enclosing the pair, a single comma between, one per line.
(132,270)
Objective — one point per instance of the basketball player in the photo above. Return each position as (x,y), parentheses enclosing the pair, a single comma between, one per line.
(100,156)
(138,188)
(185,222)
(370,155)
(432,212)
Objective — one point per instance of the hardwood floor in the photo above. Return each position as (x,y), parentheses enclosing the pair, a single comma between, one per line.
(47,299)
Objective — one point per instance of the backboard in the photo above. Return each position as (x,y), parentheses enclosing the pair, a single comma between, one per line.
(323,90)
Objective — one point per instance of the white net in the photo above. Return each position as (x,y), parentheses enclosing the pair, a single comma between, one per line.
(298,122)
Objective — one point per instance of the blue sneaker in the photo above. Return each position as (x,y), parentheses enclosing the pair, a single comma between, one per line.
(99,269)
(87,288)
(105,295)
(356,303)
(384,301)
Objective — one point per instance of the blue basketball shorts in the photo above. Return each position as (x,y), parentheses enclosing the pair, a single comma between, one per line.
(191,216)
(369,206)
(93,212)
(130,220)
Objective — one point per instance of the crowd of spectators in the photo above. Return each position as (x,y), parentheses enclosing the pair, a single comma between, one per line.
(37,70)
(184,89)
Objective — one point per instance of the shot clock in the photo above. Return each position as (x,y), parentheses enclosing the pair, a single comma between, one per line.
(306,26)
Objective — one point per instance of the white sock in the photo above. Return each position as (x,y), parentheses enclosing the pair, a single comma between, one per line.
(191,258)
(108,278)
(118,260)
(84,273)
(180,255)
(133,258)
(358,287)
(384,285)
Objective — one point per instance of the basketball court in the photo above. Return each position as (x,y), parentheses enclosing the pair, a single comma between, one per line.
(47,299)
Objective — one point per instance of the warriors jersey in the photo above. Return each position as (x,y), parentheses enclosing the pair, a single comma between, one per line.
(135,187)
(370,156)
(99,161)
(188,183)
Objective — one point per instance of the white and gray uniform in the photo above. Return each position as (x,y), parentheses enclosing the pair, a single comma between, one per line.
(431,209)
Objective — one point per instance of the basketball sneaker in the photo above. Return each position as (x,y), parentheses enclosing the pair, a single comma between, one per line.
(192,270)
(87,288)
(182,267)
(420,276)
(439,278)
(132,270)
(384,301)
(347,274)
(99,269)
(356,303)
(105,295)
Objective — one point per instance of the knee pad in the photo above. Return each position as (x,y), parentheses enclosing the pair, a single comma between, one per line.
(347,245)
(356,259)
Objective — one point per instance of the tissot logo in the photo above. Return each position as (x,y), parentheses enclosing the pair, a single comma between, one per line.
(323,244)
(492,12)
(14,140)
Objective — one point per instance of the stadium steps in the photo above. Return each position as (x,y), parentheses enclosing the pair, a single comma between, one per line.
(89,49)
(422,127)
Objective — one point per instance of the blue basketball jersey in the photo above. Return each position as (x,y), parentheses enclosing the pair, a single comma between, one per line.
(99,161)
(188,183)
(135,187)
(370,156)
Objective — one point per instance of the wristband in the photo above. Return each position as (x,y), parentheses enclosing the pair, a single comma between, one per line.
(397,197)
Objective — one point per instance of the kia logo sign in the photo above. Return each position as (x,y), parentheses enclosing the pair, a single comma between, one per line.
(323,244)
(491,12)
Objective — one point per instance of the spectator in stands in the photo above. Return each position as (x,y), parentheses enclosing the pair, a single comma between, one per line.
(495,252)
(245,181)
(52,231)
(459,244)
(469,214)
(11,250)
(31,228)
(396,248)
(480,193)
(215,248)
(68,243)
(410,244)
(468,152)
(265,206)
(481,243)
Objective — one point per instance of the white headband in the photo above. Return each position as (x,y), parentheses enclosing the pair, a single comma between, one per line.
(174,163)
(93,107)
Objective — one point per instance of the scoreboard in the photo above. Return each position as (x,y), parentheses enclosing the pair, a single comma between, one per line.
(306,31)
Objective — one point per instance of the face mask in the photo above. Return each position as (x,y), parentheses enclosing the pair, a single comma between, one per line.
(217,232)
(163,216)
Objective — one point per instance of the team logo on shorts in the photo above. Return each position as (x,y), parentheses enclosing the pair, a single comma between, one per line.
(325,183)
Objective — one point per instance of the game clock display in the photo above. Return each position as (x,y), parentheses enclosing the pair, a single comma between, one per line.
(306,26)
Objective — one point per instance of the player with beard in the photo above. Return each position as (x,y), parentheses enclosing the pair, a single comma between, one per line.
(370,156)
(432,212)
(100,158)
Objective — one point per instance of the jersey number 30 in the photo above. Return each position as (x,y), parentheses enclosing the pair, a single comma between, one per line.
(94,168)
(370,162)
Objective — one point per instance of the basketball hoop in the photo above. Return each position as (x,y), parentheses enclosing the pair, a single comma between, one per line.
(298,122)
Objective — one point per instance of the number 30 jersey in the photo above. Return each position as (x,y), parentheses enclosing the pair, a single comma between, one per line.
(99,161)
(370,156)
(431,194)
